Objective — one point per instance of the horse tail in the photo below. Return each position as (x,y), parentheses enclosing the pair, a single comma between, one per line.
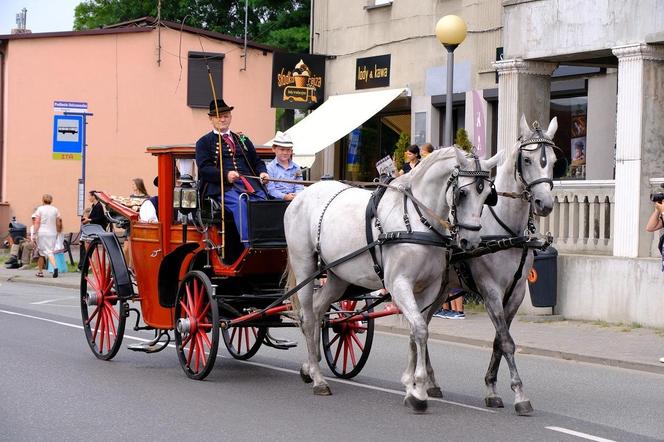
(289,277)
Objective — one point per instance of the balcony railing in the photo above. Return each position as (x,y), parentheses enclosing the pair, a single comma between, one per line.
(582,217)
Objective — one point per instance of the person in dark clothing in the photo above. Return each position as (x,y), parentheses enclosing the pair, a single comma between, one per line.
(96,212)
(238,159)
(96,216)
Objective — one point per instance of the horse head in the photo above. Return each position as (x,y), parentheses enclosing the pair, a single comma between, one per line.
(468,189)
(536,164)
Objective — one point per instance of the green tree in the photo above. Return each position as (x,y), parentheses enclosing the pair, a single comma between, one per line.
(400,150)
(280,23)
(461,140)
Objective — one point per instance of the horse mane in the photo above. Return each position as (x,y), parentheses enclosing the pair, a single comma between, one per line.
(434,157)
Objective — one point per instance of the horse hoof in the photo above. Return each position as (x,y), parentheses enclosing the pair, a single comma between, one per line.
(523,408)
(305,377)
(417,405)
(493,402)
(322,390)
(435,392)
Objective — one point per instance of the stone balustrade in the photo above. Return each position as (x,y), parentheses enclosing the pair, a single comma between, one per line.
(582,217)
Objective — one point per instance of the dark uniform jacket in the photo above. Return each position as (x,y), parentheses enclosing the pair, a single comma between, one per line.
(245,161)
(97,216)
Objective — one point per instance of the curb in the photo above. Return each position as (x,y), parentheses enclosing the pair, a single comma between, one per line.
(48,282)
(522,349)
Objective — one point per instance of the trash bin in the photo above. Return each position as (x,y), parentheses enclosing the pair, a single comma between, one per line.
(542,278)
(17,230)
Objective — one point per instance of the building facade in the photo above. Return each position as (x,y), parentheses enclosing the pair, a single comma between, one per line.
(596,67)
(145,84)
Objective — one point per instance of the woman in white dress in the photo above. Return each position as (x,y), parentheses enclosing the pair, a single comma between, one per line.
(47,225)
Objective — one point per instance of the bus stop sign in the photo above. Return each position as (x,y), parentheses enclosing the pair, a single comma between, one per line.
(68,137)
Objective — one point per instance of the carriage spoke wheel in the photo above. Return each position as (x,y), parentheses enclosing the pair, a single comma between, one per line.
(196,325)
(103,313)
(243,342)
(347,344)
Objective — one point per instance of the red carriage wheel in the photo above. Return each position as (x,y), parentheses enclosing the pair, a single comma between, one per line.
(103,313)
(243,342)
(347,344)
(196,325)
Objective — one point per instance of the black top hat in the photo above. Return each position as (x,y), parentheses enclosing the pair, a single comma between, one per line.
(221,105)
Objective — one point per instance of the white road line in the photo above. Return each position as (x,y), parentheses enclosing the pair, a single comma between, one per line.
(269,367)
(52,300)
(579,434)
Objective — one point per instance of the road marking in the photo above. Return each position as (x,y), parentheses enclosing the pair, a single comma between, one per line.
(266,366)
(579,434)
(52,300)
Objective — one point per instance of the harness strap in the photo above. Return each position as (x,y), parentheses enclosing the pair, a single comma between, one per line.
(501,223)
(517,276)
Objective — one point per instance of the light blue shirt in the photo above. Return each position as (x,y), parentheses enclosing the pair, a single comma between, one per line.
(276,170)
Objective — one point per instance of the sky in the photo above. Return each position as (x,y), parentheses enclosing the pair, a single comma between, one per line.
(42,16)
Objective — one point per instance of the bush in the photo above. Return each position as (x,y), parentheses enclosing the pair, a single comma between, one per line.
(400,150)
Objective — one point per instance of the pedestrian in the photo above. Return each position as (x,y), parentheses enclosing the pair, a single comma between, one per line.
(232,155)
(282,167)
(412,159)
(655,223)
(95,215)
(426,149)
(48,224)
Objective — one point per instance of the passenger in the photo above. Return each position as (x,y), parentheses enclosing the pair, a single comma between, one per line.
(139,190)
(150,207)
(237,158)
(412,159)
(282,167)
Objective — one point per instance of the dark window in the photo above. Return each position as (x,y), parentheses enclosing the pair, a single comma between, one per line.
(199,93)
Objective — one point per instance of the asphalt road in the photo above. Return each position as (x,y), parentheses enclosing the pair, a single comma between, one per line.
(52,388)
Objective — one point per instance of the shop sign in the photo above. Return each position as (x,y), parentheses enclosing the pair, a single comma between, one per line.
(372,72)
(298,80)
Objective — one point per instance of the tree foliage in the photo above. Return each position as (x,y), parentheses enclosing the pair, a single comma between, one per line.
(461,140)
(280,23)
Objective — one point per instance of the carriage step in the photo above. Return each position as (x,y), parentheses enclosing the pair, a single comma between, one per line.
(153,346)
(279,344)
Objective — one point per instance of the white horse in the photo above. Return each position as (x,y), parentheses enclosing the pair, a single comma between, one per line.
(527,170)
(328,220)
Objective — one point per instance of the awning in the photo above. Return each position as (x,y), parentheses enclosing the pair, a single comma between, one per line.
(334,119)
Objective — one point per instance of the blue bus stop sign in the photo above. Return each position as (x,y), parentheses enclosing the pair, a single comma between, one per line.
(68,137)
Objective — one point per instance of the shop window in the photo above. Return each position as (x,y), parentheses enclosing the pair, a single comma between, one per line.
(572,115)
(199,92)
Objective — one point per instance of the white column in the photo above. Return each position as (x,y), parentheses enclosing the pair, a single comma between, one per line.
(636,87)
(524,87)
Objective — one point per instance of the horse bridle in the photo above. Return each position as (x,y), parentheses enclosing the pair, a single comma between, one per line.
(480,176)
(540,143)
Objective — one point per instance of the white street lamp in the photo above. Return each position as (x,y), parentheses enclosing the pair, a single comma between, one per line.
(451,31)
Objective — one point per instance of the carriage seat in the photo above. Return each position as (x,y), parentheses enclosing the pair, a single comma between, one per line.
(265,218)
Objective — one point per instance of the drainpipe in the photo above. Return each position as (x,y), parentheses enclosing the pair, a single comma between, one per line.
(2,115)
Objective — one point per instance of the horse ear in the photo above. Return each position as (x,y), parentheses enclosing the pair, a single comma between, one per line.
(492,162)
(462,160)
(553,127)
(525,129)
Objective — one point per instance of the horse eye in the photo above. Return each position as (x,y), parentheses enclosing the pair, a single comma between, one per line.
(462,193)
(527,161)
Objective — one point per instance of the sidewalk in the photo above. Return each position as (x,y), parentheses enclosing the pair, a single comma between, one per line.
(606,344)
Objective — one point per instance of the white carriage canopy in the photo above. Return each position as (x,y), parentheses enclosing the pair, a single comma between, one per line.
(335,118)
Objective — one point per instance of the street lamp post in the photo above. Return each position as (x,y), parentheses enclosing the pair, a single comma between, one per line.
(451,31)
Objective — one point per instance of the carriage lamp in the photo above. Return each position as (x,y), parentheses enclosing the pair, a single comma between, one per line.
(451,32)
(184,194)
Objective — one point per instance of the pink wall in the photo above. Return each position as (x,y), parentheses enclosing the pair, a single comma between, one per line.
(135,103)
